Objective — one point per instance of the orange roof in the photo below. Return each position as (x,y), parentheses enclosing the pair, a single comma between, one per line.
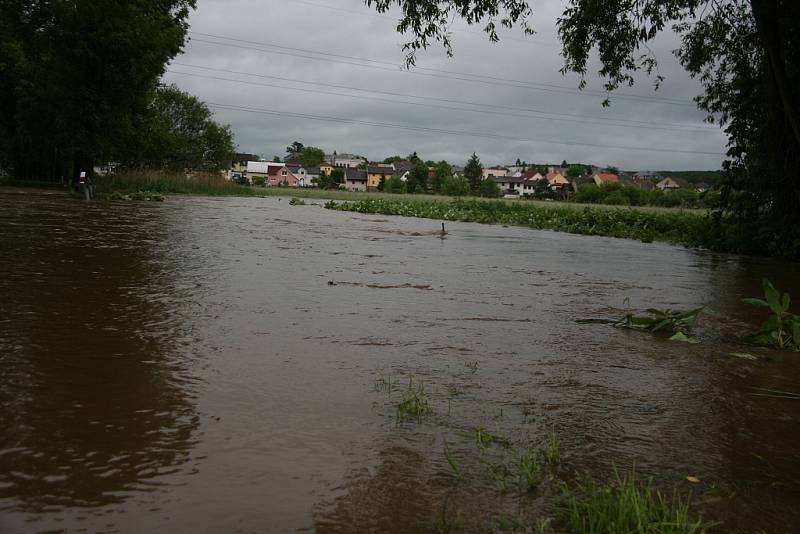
(607,177)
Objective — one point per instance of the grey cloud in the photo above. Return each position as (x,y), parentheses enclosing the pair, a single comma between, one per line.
(305,24)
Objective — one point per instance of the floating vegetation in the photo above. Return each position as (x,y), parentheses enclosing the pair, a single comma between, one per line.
(137,196)
(782,329)
(629,505)
(472,366)
(677,324)
(297,202)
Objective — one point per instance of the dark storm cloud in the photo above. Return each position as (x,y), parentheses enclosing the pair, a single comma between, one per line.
(547,122)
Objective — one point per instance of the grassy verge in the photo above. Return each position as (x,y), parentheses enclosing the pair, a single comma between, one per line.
(680,227)
(171,183)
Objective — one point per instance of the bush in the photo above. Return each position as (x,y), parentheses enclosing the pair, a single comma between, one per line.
(394,185)
(489,189)
(456,186)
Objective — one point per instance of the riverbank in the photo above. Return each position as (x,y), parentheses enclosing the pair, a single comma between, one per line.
(674,226)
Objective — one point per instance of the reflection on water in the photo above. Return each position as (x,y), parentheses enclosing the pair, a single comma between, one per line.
(210,365)
(94,404)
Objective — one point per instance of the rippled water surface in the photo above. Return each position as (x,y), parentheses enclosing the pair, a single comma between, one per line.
(220,365)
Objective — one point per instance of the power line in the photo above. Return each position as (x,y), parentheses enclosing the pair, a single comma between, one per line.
(459,30)
(433,73)
(646,126)
(649,124)
(343,120)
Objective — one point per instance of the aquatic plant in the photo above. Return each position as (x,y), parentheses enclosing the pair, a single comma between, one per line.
(782,329)
(629,505)
(414,404)
(297,202)
(677,323)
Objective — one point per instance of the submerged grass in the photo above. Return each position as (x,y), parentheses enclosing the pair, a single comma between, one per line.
(415,404)
(171,183)
(680,227)
(630,505)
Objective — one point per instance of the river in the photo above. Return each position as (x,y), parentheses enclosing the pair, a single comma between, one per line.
(220,365)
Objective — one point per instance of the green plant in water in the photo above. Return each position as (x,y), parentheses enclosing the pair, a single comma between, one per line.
(297,202)
(414,404)
(630,506)
(678,324)
(782,329)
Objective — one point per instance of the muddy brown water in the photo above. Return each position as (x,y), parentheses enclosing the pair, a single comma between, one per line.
(215,365)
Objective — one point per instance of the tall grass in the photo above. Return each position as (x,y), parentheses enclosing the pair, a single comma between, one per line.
(171,182)
(630,506)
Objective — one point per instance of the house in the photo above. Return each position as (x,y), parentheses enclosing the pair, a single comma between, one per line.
(355,179)
(301,173)
(509,184)
(313,174)
(497,172)
(279,174)
(601,178)
(556,180)
(325,168)
(672,183)
(259,171)
(345,160)
(377,174)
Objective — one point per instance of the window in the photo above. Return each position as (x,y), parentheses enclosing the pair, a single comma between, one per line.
(283,173)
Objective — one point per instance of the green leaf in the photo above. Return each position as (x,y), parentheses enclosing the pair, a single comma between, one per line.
(756,302)
(772,296)
(796,333)
(785,302)
(680,336)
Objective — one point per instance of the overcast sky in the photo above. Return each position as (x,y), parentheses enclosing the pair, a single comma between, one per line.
(299,68)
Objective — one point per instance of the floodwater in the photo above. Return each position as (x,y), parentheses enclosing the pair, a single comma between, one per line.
(219,365)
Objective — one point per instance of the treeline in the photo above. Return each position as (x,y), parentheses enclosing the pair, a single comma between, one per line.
(616,194)
(79,85)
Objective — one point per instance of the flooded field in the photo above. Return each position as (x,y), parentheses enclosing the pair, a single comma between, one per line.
(236,365)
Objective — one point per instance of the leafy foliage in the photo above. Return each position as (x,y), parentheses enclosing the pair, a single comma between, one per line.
(782,329)
(178,132)
(455,186)
(330,181)
(489,189)
(76,74)
(312,156)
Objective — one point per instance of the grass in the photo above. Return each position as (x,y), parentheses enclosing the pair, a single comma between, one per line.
(630,505)
(415,404)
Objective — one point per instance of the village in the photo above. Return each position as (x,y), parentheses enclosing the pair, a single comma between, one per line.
(520,180)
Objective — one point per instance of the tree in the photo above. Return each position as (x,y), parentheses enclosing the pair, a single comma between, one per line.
(276,159)
(612,170)
(473,172)
(564,164)
(490,189)
(575,171)
(312,156)
(392,159)
(518,162)
(456,186)
(442,171)
(294,150)
(744,52)
(418,177)
(394,185)
(177,131)
(76,74)
(330,181)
